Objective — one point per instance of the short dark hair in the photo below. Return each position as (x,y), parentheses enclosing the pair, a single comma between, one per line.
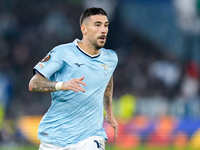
(91,11)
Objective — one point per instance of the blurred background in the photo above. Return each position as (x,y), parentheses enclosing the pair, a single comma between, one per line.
(156,83)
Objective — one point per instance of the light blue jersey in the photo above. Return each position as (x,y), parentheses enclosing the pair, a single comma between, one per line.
(75,116)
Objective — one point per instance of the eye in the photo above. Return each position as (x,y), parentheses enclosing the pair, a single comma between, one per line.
(97,25)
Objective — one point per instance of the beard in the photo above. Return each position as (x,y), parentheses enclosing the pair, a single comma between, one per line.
(99,44)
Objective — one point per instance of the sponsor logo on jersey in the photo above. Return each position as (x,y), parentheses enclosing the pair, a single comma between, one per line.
(105,68)
(78,64)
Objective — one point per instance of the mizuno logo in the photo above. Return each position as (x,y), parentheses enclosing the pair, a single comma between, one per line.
(78,64)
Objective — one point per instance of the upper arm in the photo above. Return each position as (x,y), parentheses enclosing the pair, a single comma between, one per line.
(50,64)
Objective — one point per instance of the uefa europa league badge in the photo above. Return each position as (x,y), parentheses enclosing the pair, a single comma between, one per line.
(105,68)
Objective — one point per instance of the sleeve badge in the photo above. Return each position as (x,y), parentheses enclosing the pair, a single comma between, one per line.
(46,58)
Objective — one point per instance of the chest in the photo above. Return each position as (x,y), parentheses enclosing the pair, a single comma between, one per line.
(95,71)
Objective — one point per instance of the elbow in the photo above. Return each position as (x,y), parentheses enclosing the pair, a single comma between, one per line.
(30,86)
(33,83)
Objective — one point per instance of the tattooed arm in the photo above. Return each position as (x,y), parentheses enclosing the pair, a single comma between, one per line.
(40,84)
(108,108)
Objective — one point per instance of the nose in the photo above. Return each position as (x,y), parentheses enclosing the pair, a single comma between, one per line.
(104,30)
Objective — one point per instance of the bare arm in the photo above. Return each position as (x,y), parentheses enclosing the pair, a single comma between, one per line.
(40,84)
(108,97)
(108,108)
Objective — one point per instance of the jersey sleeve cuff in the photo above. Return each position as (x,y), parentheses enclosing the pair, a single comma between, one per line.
(36,71)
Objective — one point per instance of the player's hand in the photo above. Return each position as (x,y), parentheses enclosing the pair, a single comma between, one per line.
(113,122)
(74,85)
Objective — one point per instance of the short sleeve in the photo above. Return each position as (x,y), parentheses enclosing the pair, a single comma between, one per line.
(51,63)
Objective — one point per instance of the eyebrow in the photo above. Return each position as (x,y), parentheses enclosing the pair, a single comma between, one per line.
(101,22)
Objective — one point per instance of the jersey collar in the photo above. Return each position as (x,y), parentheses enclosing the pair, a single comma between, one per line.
(76,41)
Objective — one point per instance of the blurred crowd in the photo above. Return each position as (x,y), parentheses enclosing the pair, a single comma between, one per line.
(30,29)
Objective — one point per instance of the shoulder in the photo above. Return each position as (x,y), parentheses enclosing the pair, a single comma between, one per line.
(109,53)
(63,50)
(63,47)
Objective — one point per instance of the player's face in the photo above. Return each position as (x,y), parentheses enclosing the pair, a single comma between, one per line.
(97,30)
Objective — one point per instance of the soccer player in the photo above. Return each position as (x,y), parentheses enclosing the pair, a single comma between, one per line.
(79,76)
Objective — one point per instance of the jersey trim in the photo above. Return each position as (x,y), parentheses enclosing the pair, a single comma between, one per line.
(87,54)
(36,71)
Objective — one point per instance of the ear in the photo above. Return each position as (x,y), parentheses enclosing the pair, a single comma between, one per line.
(84,29)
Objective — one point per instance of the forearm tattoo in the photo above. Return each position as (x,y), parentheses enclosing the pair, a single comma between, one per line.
(43,85)
(108,93)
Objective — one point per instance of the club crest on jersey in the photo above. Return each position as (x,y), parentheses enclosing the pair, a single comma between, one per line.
(105,68)
(46,58)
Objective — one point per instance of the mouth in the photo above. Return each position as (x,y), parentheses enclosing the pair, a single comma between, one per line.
(102,38)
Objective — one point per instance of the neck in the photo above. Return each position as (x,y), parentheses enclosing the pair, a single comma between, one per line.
(88,48)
